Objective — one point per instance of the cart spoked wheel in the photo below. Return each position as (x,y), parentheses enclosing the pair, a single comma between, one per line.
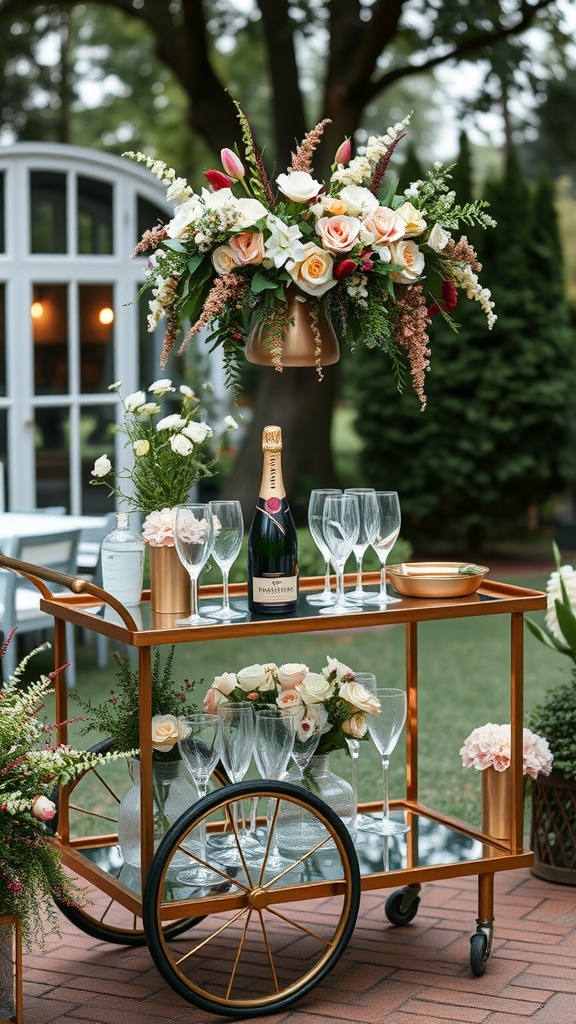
(93,800)
(279,906)
(402,906)
(479,953)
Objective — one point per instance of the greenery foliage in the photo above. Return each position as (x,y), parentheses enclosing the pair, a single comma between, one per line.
(555,719)
(118,716)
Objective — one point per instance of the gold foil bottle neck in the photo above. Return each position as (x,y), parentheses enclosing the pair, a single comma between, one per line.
(272,439)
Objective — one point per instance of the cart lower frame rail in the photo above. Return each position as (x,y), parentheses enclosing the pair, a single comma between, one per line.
(283,902)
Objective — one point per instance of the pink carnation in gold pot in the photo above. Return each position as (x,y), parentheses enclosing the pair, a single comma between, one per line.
(488,746)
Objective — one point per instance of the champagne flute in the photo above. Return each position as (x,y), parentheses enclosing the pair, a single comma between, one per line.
(340,527)
(385,729)
(201,750)
(228,532)
(273,745)
(315,509)
(306,740)
(238,728)
(387,528)
(368,515)
(368,680)
(193,536)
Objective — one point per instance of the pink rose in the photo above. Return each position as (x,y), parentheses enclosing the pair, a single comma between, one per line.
(248,248)
(338,234)
(289,699)
(212,701)
(382,226)
(43,808)
(291,675)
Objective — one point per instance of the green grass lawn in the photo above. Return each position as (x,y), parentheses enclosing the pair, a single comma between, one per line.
(464,682)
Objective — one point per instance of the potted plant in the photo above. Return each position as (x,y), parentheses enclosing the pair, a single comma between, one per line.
(553,823)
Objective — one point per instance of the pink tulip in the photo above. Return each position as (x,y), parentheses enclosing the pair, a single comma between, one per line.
(232,164)
(217,180)
(344,269)
(344,152)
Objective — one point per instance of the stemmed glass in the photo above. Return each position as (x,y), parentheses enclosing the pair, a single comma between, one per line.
(368,680)
(387,528)
(201,750)
(273,745)
(193,536)
(228,532)
(385,729)
(368,518)
(306,740)
(340,527)
(315,509)
(238,728)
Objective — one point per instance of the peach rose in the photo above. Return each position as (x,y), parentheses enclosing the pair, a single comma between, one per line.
(360,697)
(355,726)
(247,248)
(212,701)
(291,675)
(288,700)
(382,226)
(407,253)
(167,730)
(224,259)
(314,272)
(413,220)
(339,234)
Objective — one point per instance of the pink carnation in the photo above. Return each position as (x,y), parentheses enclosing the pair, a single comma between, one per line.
(158,529)
(489,747)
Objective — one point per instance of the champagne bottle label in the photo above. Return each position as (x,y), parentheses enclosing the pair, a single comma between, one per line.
(274,590)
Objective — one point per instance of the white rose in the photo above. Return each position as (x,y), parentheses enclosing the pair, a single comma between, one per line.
(248,212)
(141,447)
(314,273)
(102,466)
(161,387)
(360,697)
(252,677)
(172,422)
(291,674)
(184,217)
(438,238)
(223,260)
(341,670)
(315,688)
(43,808)
(358,200)
(181,445)
(407,253)
(413,219)
(167,730)
(225,683)
(298,186)
(197,432)
(134,401)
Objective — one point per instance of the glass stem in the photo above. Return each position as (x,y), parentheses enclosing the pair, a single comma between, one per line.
(327,589)
(354,748)
(202,790)
(383,594)
(340,600)
(193,595)
(225,598)
(358,588)
(385,801)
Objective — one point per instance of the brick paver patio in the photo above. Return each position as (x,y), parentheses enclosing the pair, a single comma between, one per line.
(418,974)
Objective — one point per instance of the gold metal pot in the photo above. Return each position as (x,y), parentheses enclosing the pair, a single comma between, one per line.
(299,342)
(496,803)
(169,582)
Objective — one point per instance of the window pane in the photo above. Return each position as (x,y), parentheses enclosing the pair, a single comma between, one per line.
(2,215)
(47,211)
(49,314)
(2,339)
(4,497)
(96,438)
(95,221)
(148,216)
(96,337)
(52,457)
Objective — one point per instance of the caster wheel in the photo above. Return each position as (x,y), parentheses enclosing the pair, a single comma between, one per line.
(402,906)
(478,956)
(275,923)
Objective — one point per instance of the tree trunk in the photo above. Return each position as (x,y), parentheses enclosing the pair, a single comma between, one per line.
(302,406)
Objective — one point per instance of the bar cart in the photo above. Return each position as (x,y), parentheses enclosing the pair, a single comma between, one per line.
(283,903)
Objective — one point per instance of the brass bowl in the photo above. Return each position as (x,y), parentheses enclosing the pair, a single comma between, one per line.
(436,579)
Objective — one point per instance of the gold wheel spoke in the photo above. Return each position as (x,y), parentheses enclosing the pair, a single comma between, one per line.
(300,927)
(213,867)
(107,786)
(296,863)
(269,952)
(238,953)
(92,814)
(268,849)
(213,935)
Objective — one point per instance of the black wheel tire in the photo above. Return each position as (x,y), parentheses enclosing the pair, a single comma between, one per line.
(172,963)
(478,958)
(90,919)
(398,911)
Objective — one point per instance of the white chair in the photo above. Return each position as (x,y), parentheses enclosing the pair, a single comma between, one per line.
(20,599)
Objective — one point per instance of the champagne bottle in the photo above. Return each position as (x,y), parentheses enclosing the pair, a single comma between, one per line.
(272,540)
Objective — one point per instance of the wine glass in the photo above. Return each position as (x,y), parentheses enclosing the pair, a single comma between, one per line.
(368,514)
(340,527)
(228,532)
(273,745)
(387,528)
(201,750)
(368,680)
(193,536)
(238,728)
(385,729)
(315,510)
(306,740)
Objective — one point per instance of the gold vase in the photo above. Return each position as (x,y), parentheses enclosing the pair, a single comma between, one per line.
(496,803)
(300,340)
(169,582)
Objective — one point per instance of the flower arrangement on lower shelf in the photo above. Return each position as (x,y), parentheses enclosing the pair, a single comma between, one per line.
(31,768)
(330,701)
(117,717)
(488,746)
